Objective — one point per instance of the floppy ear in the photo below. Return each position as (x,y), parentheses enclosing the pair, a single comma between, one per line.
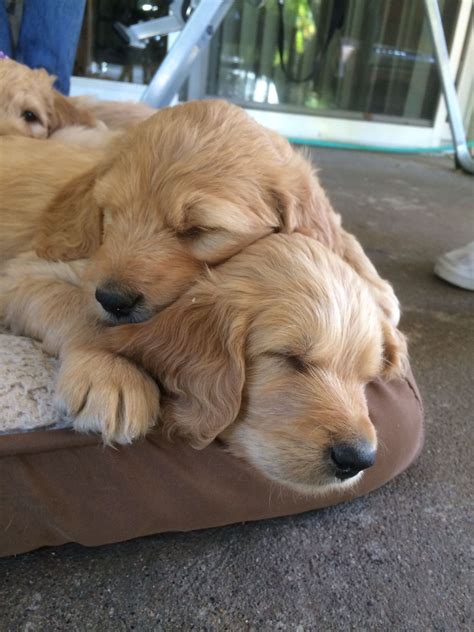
(302,204)
(195,348)
(65,113)
(71,226)
(395,352)
(43,77)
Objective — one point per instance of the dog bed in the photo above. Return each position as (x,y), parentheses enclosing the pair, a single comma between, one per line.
(58,486)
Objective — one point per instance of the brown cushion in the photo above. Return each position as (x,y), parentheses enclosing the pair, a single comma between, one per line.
(57,486)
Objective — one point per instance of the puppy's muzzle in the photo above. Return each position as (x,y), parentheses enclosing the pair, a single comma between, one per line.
(350,459)
(118,302)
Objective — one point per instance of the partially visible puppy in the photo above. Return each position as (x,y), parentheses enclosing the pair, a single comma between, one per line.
(117,115)
(30,106)
(271,351)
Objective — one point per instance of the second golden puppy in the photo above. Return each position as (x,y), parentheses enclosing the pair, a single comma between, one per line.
(270,350)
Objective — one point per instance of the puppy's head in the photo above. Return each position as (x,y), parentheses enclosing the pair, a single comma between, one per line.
(187,188)
(30,106)
(272,351)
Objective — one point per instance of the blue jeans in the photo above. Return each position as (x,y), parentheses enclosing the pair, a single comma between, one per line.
(48,37)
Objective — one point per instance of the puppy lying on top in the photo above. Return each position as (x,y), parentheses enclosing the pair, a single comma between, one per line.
(189,189)
(186,188)
(30,106)
(270,351)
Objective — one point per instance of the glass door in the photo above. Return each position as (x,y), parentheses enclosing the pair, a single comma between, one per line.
(354,71)
(356,61)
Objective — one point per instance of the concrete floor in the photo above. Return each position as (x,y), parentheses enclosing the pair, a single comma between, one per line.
(397,559)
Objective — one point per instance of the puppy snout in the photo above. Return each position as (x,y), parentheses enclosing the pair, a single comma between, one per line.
(117,301)
(350,459)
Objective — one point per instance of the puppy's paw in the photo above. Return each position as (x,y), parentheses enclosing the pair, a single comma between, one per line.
(107,394)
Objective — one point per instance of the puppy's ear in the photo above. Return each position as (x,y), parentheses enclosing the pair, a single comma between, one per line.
(196,351)
(71,226)
(64,113)
(395,352)
(302,204)
(43,77)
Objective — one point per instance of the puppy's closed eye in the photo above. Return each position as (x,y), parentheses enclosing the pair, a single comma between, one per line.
(193,232)
(295,361)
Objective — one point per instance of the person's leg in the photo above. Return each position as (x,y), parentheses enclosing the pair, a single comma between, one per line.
(6,44)
(49,35)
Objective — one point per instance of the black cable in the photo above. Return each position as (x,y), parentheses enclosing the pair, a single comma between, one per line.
(336,23)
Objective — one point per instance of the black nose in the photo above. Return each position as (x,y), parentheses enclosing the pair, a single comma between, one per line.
(350,459)
(117,301)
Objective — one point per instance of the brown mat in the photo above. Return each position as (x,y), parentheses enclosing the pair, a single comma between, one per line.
(57,486)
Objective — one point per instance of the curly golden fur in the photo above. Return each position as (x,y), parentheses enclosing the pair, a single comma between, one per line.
(32,172)
(117,115)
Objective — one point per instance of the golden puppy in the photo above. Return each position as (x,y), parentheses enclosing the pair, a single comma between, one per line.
(30,106)
(189,187)
(270,351)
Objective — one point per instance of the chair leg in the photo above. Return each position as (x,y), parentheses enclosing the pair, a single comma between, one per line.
(463,157)
(195,36)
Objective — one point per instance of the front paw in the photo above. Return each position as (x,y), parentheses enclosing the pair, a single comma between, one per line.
(107,394)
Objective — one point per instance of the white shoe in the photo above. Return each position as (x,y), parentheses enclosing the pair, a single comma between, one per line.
(457,267)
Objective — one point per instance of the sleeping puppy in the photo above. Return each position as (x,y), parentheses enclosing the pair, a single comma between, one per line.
(269,351)
(30,106)
(185,189)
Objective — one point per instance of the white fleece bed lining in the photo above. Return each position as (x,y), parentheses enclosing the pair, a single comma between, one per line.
(27,378)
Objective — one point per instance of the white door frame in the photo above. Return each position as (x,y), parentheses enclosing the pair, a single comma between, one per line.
(465,81)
